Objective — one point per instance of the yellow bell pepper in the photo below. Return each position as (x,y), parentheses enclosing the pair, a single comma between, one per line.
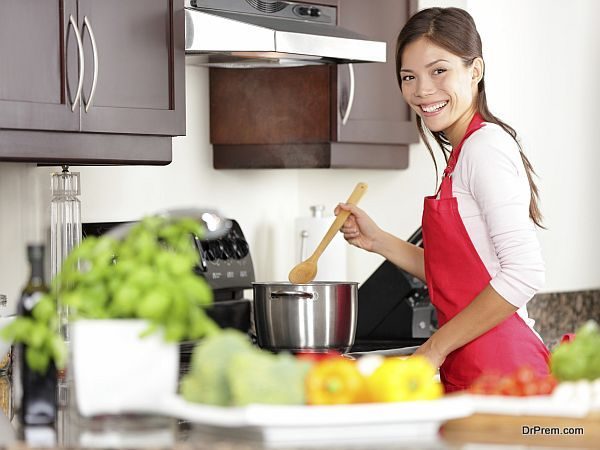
(403,379)
(334,381)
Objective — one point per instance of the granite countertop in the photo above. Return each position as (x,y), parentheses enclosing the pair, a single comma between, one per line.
(131,431)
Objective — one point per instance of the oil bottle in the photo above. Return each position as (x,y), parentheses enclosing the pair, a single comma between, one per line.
(38,401)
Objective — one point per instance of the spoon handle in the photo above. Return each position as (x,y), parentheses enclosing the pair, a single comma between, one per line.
(354,198)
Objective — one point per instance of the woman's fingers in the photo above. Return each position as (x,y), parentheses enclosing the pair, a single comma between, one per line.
(353,228)
(353,209)
(350,228)
(350,225)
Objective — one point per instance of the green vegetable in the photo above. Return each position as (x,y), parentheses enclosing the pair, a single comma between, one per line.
(261,377)
(207,382)
(148,275)
(579,359)
(38,334)
(227,370)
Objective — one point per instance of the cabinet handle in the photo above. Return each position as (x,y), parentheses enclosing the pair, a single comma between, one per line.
(346,114)
(86,23)
(81,62)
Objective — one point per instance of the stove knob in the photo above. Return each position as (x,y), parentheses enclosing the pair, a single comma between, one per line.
(206,251)
(212,250)
(220,250)
(228,250)
(241,248)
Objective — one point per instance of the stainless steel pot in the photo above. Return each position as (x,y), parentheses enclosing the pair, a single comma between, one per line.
(316,316)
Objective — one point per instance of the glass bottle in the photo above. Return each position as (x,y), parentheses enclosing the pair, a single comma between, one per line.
(65,229)
(38,401)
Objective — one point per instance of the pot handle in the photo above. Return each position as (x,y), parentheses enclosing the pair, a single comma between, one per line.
(297,294)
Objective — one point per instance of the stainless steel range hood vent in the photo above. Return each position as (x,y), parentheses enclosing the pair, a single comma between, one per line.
(271,33)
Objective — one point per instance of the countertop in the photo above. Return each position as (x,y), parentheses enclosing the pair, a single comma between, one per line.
(475,432)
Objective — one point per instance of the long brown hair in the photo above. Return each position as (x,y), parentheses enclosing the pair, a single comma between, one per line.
(454,30)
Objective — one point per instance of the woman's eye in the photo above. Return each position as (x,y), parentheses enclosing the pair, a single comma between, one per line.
(407,77)
(439,71)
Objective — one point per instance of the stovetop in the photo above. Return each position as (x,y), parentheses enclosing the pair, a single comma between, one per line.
(364,345)
(186,348)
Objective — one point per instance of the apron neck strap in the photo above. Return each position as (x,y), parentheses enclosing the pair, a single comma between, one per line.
(446,185)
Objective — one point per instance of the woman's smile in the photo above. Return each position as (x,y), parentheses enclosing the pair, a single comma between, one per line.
(432,109)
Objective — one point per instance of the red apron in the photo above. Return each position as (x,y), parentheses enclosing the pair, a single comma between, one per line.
(455,276)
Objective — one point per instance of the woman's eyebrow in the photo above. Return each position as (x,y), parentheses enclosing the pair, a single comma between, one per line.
(402,69)
(435,62)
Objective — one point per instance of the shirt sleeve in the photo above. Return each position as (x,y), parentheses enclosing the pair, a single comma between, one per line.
(498,182)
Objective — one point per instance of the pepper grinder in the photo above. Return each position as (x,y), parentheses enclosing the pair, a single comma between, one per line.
(65,229)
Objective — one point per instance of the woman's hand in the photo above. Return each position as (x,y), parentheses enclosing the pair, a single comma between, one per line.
(433,355)
(359,229)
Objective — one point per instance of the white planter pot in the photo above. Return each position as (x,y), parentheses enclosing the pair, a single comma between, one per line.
(116,371)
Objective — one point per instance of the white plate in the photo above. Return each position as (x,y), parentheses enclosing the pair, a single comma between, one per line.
(537,405)
(281,425)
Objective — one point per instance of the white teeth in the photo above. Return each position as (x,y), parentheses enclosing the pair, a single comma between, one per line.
(434,107)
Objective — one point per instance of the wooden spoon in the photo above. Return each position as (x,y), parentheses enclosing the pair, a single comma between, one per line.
(306,271)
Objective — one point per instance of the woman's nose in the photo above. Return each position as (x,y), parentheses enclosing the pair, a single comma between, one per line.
(424,87)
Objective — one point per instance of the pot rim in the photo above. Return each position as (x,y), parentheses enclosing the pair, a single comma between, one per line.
(313,283)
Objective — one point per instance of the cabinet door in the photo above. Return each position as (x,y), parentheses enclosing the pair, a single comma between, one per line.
(137,64)
(33,77)
(378,114)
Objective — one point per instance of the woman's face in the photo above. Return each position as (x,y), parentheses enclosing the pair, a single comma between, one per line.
(438,85)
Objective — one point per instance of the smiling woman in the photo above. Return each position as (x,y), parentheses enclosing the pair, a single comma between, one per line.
(445,42)
(440,80)
(481,257)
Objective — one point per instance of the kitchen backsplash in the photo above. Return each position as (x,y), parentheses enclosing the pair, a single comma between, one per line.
(563,312)
(24,214)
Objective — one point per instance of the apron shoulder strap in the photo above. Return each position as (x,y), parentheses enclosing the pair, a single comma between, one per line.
(445,189)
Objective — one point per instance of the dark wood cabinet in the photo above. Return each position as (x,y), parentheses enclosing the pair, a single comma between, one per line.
(378,113)
(135,90)
(33,83)
(312,116)
(74,72)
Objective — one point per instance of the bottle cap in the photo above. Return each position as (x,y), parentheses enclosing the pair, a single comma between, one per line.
(35,252)
(66,183)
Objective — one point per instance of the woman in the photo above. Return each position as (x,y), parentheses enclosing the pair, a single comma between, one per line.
(481,258)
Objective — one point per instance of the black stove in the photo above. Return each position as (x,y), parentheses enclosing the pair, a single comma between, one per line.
(394,309)
(225,264)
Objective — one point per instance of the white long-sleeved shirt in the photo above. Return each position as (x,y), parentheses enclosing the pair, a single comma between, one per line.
(493,195)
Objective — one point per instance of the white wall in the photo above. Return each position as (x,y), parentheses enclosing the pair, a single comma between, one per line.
(540,79)
(24,204)
(542,61)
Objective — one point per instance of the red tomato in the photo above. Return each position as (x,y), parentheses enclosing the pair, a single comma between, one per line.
(509,386)
(486,384)
(522,382)
(525,375)
(546,385)
(317,356)
(530,388)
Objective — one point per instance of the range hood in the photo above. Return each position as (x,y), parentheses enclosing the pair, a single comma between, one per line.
(271,33)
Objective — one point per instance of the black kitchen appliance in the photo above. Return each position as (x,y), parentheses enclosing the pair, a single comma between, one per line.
(394,309)
(225,264)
